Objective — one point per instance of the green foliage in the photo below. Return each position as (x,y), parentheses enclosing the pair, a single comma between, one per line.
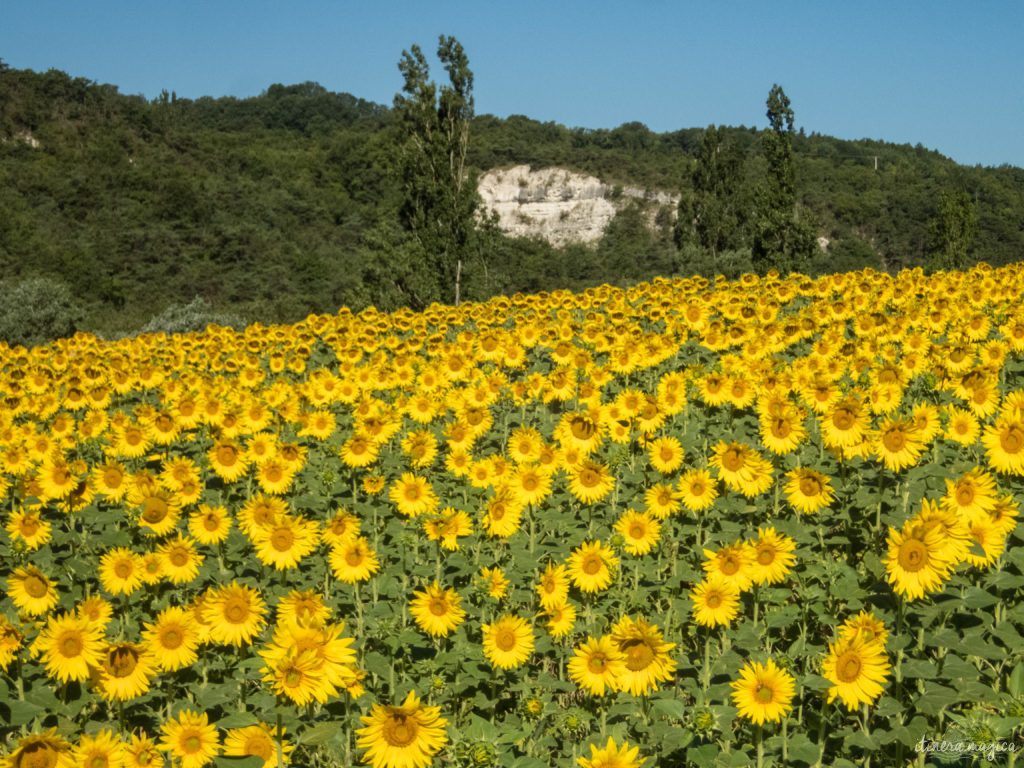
(37,310)
(191,318)
(953,231)
(439,195)
(782,237)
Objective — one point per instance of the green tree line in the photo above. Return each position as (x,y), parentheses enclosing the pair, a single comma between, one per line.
(300,200)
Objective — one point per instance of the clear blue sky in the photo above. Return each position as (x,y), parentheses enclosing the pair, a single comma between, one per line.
(948,75)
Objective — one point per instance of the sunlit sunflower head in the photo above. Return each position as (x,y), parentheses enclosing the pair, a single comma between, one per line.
(985,535)
(596,665)
(715,601)
(1004,444)
(494,582)
(260,740)
(972,494)
(590,481)
(31,591)
(437,611)
(287,540)
(181,560)
(304,608)
(209,524)
(447,526)
(508,641)
(662,500)
(698,490)
(897,443)
(46,750)
(611,755)
(868,625)
(561,620)
(125,672)
(857,666)
(70,646)
(644,655)
(27,528)
(917,562)
(771,556)
(353,560)
(191,739)
(235,614)
(142,752)
(639,530)
(402,736)
(553,587)
(732,562)
(172,639)
(764,692)
(591,566)
(808,490)
(413,495)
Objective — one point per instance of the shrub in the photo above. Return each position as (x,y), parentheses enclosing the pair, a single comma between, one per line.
(191,317)
(37,310)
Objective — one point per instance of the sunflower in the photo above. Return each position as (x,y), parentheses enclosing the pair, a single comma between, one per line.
(304,609)
(494,582)
(191,739)
(764,692)
(639,530)
(596,665)
(69,646)
(715,601)
(502,515)
(299,676)
(771,556)
(590,481)
(742,468)
(353,560)
(436,611)
(530,484)
(665,454)
(234,613)
(110,481)
(612,756)
(125,672)
(359,451)
(172,638)
(260,512)
(413,495)
(181,561)
(342,527)
(142,753)
(228,460)
(10,642)
(47,750)
(783,432)
(590,566)
(24,526)
(31,591)
(159,508)
(561,619)
(581,430)
(404,736)
(285,542)
(697,490)
(963,426)
(857,667)
(808,490)
(845,425)
(645,656)
(209,524)
(917,562)
(974,493)
(274,475)
(897,444)
(733,563)
(868,625)
(261,740)
(508,642)
(984,532)
(1004,443)
(662,500)
(447,526)
(553,588)
(95,610)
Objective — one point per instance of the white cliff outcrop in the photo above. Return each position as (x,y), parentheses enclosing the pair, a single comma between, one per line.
(556,204)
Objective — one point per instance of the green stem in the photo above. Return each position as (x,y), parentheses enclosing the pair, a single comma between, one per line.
(759,738)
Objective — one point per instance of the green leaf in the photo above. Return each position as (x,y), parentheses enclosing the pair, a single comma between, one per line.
(919,668)
(816,682)
(478,728)
(975,597)
(23,712)
(670,708)
(238,720)
(249,761)
(1015,682)
(321,733)
(702,756)
(862,740)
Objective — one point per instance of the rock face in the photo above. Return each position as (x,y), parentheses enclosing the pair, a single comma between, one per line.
(556,204)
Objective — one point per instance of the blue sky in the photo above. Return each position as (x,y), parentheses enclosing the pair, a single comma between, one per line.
(948,75)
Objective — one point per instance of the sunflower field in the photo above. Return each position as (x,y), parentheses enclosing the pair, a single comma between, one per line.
(765,522)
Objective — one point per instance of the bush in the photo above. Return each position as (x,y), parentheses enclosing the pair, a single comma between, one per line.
(37,310)
(191,317)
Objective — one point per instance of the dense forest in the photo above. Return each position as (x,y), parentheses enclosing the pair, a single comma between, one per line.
(284,204)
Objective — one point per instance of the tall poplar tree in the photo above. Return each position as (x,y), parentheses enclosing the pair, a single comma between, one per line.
(439,194)
(711,214)
(781,238)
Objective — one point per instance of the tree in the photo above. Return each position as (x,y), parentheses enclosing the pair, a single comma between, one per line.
(439,195)
(710,214)
(953,231)
(782,238)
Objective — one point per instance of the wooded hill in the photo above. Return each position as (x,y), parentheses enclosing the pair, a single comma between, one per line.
(276,206)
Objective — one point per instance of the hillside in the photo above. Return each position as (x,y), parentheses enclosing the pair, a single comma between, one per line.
(284,204)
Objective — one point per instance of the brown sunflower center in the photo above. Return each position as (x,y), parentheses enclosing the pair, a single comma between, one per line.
(121,661)
(399,730)
(227,455)
(843,419)
(172,638)
(713,600)
(781,428)
(1012,439)
(38,755)
(236,610)
(732,460)
(764,693)
(35,586)
(913,555)
(765,555)
(211,522)
(71,645)
(192,743)
(597,663)
(592,564)
(639,654)
(894,440)
(354,557)
(260,746)
(965,494)
(730,565)
(809,486)
(282,539)
(848,667)
(637,531)
(589,478)
(28,526)
(438,606)
(154,509)
(505,639)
